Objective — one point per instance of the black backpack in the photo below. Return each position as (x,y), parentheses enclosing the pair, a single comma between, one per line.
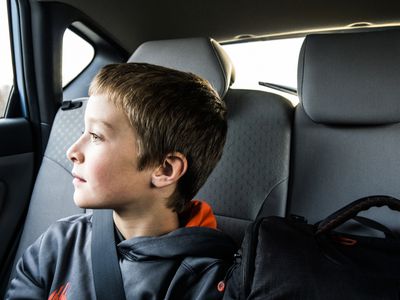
(286,258)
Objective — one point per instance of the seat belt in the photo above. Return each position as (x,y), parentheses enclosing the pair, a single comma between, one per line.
(105,266)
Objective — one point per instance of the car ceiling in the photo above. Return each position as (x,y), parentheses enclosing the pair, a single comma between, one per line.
(131,22)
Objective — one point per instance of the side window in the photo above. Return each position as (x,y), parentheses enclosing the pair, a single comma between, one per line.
(6,70)
(77,55)
(272,62)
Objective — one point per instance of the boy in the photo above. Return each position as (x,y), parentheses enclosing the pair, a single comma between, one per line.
(152,136)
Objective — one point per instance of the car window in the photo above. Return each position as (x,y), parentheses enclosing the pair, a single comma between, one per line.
(272,61)
(6,70)
(77,55)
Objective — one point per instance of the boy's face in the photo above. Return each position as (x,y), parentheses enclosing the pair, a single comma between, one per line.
(105,160)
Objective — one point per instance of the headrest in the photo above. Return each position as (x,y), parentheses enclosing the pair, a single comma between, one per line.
(201,56)
(351,78)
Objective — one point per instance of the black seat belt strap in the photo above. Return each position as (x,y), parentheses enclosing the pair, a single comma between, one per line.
(105,266)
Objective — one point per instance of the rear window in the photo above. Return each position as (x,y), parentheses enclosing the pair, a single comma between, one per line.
(272,61)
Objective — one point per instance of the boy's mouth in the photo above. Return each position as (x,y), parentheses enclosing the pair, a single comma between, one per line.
(77,179)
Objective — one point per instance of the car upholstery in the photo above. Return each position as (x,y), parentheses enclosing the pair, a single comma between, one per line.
(252,176)
(346,128)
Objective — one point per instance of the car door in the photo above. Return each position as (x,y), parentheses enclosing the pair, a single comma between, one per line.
(18,154)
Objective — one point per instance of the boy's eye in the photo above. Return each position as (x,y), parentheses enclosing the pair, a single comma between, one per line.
(94,137)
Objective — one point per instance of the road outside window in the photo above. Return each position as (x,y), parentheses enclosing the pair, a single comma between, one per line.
(6,70)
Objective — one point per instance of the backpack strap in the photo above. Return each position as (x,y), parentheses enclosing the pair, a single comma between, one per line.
(105,266)
(389,234)
(351,210)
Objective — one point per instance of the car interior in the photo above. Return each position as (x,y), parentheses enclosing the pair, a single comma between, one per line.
(337,145)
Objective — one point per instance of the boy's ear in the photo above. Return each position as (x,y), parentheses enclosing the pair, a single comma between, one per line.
(173,167)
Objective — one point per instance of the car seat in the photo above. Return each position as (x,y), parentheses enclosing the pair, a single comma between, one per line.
(252,177)
(346,128)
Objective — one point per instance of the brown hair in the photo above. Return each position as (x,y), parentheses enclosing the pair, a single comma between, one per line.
(171,111)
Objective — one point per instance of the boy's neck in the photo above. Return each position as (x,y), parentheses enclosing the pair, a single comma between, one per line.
(149,224)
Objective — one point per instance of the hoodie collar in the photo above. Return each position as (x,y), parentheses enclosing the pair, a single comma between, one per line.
(198,214)
(187,241)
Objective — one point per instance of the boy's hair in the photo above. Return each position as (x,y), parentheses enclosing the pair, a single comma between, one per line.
(171,111)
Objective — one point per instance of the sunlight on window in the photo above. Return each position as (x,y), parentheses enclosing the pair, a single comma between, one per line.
(6,71)
(273,61)
(77,55)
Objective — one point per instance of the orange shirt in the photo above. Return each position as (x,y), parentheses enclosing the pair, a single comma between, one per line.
(199,214)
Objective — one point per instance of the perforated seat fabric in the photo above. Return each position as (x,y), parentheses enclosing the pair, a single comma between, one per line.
(345,144)
(252,177)
(334,165)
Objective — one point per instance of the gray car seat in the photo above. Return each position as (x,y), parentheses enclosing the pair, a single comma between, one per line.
(252,177)
(346,129)
(251,180)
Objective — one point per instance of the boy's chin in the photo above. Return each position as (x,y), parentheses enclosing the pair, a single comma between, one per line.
(85,203)
(81,204)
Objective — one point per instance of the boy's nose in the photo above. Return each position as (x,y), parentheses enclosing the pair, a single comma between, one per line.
(74,155)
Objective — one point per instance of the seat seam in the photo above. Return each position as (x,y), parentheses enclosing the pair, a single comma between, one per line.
(57,163)
(236,218)
(270,192)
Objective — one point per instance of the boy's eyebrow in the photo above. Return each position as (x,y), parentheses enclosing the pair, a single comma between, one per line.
(106,124)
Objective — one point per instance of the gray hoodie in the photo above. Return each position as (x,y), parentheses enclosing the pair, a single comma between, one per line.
(188,263)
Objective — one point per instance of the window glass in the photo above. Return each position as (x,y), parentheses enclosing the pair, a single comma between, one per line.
(273,61)
(77,55)
(6,70)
